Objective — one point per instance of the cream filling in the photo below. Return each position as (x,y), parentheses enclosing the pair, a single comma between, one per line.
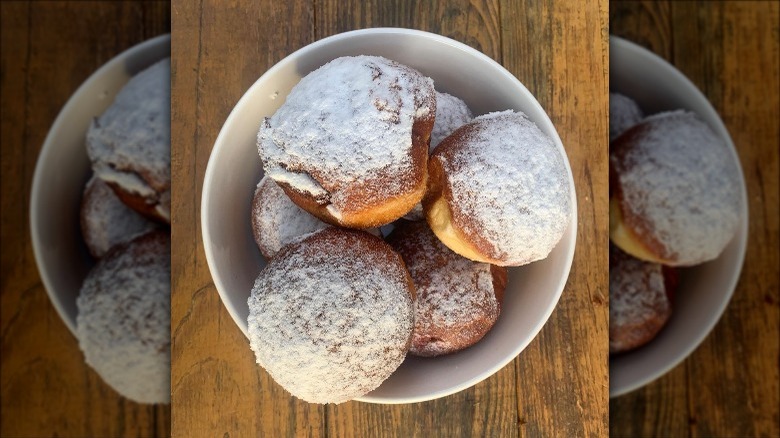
(624,238)
(299,181)
(129,181)
(440,219)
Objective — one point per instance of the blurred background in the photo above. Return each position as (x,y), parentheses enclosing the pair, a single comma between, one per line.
(729,386)
(48,50)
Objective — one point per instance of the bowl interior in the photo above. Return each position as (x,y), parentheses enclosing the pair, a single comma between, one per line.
(234,169)
(704,290)
(63,169)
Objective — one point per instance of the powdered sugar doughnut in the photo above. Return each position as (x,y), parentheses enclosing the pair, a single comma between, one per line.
(276,220)
(331,316)
(639,300)
(106,221)
(458,300)
(623,114)
(676,199)
(130,143)
(350,143)
(497,191)
(123,322)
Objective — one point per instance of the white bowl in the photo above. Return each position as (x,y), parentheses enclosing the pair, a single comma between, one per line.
(234,169)
(62,170)
(704,290)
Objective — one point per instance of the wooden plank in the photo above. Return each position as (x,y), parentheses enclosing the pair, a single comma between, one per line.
(564,64)
(658,409)
(730,385)
(218,390)
(734,374)
(48,50)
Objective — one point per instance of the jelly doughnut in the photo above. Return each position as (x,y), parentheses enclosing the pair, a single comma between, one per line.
(331,315)
(498,191)
(676,197)
(350,143)
(458,300)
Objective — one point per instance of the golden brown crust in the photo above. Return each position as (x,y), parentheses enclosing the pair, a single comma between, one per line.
(499,281)
(365,208)
(638,230)
(469,245)
(361,193)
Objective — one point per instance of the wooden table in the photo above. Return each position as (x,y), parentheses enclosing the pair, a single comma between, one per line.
(729,386)
(48,50)
(558,385)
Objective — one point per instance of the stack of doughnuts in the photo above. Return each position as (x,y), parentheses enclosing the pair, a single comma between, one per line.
(674,203)
(336,310)
(123,321)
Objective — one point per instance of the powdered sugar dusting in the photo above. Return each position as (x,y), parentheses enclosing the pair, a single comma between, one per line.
(106,221)
(638,303)
(678,176)
(623,114)
(347,122)
(276,220)
(130,143)
(451,114)
(456,302)
(330,317)
(123,322)
(508,184)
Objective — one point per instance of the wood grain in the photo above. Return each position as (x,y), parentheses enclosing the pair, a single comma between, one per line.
(48,50)
(573,93)
(216,387)
(557,386)
(730,385)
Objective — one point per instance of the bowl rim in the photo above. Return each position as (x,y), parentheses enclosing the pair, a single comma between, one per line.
(741,234)
(219,143)
(49,144)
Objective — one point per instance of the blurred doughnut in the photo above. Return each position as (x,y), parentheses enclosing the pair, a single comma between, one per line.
(676,196)
(106,221)
(130,143)
(623,114)
(123,322)
(639,300)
